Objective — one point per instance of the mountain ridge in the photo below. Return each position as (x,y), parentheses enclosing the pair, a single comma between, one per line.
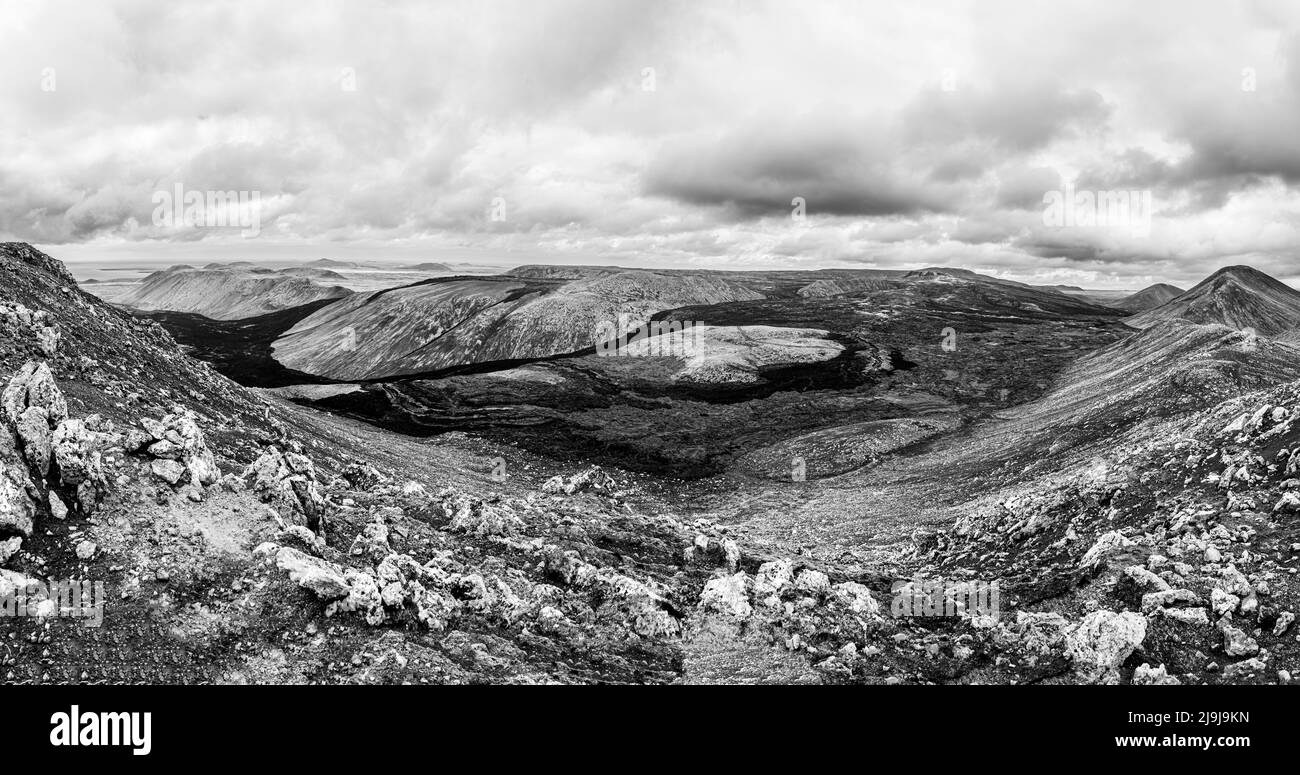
(1238,296)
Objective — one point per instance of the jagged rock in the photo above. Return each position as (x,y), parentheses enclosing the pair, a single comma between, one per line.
(856,597)
(637,604)
(1283,623)
(1037,632)
(135,440)
(1107,543)
(552,621)
(1146,675)
(1195,617)
(1145,580)
(47,339)
(727,595)
(1237,643)
(33,429)
(76,453)
(17,504)
(288,482)
(1244,668)
(772,577)
(57,509)
(12,582)
(170,471)
(156,430)
(477,517)
(1102,641)
(371,542)
(324,579)
(1289,502)
(812,582)
(86,550)
(301,538)
(1153,601)
(177,437)
(591,479)
(9,547)
(363,476)
(34,385)
(165,449)
(363,595)
(714,551)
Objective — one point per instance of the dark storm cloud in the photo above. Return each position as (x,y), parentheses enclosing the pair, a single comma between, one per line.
(837,169)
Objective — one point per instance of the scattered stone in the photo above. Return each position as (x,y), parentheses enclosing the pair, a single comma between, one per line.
(1145,675)
(1237,643)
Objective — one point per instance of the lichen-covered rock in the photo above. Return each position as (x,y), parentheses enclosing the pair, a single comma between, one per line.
(1237,643)
(363,596)
(638,604)
(478,517)
(592,479)
(371,542)
(772,577)
(288,482)
(855,597)
(33,427)
(1146,675)
(1106,545)
(17,504)
(177,437)
(714,551)
(324,579)
(9,547)
(170,471)
(812,582)
(728,595)
(76,453)
(1101,642)
(301,538)
(34,385)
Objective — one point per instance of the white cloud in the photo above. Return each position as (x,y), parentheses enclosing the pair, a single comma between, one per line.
(543,105)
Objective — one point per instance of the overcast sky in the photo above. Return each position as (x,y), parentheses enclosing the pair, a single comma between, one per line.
(663,134)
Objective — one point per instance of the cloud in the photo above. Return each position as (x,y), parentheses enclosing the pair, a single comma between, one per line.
(837,166)
(665,131)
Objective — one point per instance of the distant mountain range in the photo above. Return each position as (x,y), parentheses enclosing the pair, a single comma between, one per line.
(227,292)
(1148,298)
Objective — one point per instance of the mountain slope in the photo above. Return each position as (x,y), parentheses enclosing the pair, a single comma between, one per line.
(1149,298)
(227,292)
(456,321)
(1236,296)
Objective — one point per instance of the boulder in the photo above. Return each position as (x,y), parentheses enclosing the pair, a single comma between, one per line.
(1101,642)
(324,579)
(727,595)
(287,481)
